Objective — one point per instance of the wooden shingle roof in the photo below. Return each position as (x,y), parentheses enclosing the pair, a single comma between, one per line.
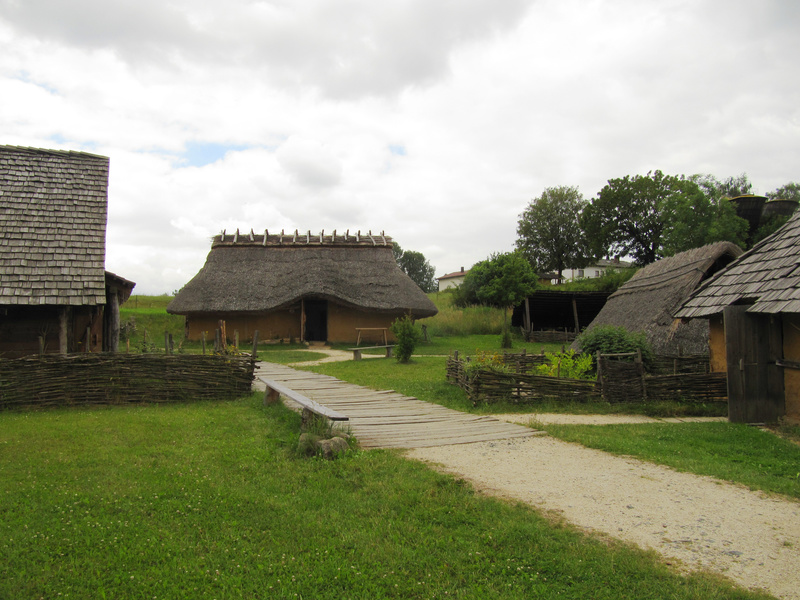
(766,276)
(52,227)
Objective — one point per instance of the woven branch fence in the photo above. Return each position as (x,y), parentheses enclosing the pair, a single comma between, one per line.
(621,381)
(88,379)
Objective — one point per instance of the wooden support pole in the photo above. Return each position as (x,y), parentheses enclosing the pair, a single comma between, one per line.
(112,335)
(63,330)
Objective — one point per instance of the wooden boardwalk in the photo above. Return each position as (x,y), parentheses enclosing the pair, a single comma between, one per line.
(386,419)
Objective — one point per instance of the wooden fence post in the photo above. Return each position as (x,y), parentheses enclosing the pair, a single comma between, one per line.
(640,367)
(204,342)
(600,375)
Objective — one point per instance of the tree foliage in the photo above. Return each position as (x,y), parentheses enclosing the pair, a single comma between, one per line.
(651,216)
(549,232)
(503,280)
(416,267)
(789,191)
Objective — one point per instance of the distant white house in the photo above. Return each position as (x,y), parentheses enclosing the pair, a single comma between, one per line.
(452,280)
(596,269)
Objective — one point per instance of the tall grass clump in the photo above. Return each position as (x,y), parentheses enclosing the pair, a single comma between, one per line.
(455,321)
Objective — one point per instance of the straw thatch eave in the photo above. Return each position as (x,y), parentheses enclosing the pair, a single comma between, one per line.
(649,300)
(251,278)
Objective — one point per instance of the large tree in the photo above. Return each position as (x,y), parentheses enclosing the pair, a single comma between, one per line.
(549,232)
(503,280)
(416,267)
(651,216)
(789,191)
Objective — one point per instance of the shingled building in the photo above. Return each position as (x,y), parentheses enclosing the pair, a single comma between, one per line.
(55,295)
(305,286)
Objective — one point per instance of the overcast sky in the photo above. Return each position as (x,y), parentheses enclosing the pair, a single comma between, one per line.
(436,121)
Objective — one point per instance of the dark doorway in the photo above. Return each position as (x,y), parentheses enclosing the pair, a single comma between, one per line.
(316,313)
(753,344)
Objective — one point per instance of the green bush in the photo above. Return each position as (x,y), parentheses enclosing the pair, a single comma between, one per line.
(569,365)
(407,337)
(612,339)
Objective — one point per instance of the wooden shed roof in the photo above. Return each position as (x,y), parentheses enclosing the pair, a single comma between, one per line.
(52,227)
(766,276)
(255,273)
(649,299)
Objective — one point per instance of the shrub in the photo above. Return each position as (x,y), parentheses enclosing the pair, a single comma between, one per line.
(407,336)
(569,365)
(612,339)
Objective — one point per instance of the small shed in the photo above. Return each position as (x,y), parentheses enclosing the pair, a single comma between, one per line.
(753,308)
(649,299)
(303,286)
(55,295)
(558,311)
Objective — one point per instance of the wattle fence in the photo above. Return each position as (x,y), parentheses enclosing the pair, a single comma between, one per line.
(676,378)
(91,379)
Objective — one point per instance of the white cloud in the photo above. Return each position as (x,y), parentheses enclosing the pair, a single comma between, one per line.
(303,107)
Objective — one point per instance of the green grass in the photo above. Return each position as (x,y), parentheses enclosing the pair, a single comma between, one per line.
(210,500)
(729,451)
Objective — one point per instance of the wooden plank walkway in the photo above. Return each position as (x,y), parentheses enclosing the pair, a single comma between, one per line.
(387,419)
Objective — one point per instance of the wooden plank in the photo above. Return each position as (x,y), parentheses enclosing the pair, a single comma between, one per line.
(387,419)
(304,401)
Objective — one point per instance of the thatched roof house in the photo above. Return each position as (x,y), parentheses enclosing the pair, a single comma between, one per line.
(53,285)
(753,307)
(648,301)
(314,287)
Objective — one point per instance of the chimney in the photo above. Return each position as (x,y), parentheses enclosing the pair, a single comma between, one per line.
(462,269)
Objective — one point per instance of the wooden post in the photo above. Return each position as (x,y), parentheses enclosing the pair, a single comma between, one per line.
(575,316)
(600,374)
(63,330)
(88,347)
(113,323)
(223,335)
(166,342)
(41,344)
(236,338)
(171,344)
(204,342)
(640,366)
(255,344)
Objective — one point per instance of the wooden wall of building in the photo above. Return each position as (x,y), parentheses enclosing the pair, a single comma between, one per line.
(285,324)
(22,326)
(791,377)
(716,344)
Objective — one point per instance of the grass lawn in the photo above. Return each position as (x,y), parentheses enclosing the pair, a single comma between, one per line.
(209,500)
(729,451)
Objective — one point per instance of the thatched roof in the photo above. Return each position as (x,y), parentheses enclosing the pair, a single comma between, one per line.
(52,227)
(255,273)
(648,301)
(766,276)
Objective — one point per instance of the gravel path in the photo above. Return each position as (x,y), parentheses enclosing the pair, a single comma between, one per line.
(694,522)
